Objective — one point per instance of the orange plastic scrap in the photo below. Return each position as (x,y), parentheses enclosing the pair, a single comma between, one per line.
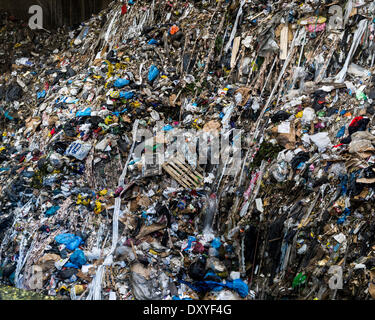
(174,29)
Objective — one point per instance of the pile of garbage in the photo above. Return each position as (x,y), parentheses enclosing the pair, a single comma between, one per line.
(284,214)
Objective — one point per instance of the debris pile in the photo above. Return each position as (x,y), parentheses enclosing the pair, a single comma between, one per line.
(103,194)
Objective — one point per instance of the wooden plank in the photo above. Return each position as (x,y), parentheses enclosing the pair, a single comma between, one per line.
(181,173)
(174,176)
(194,175)
(236,47)
(284,43)
(198,171)
(177,177)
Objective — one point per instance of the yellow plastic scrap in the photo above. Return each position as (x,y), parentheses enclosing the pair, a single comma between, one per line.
(135,104)
(108,120)
(153,252)
(63,287)
(78,289)
(82,200)
(79,199)
(120,66)
(103,192)
(115,94)
(110,69)
(299,114)
(98,207)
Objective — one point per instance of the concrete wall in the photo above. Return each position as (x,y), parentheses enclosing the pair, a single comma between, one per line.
(55,12)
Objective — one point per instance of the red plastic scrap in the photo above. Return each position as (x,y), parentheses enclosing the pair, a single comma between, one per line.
(124,9)
(354,121)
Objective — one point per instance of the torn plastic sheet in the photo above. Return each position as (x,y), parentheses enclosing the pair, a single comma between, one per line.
(234,30)
(109,30)
(340,77)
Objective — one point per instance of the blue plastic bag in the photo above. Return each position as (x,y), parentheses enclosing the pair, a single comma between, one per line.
(78,258)
(239,286)
(51,211)
(341,132)
(191,240)
(153,73)
(216,243)
(119,83)
(117,113)
(126,94)
(168,127)
(71,241)
(86,112)
(70,265)
(212,275)
(204,286)
(343,217)
(153,41)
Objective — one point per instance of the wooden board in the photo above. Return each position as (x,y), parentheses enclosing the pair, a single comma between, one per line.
(183,173)
(284,43)
(236,47)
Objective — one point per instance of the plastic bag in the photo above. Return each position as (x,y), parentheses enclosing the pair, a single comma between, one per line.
(126,95)
(239,286)
(321,140)
(70,240)
(51,211)
(119,83)
(153,73)
(78,258)
(308,115)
